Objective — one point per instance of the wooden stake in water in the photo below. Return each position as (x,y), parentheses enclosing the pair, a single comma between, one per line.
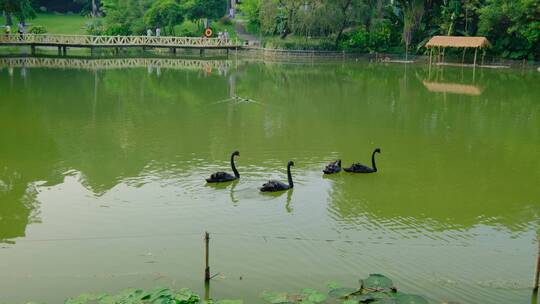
(206,253)
(537,273)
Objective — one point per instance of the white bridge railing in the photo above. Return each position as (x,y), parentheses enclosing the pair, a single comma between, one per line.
(117,41)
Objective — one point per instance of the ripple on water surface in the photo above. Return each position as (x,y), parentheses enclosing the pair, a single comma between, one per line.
(108,185)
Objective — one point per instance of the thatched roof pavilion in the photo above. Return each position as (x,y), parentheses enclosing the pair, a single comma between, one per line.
(457,42)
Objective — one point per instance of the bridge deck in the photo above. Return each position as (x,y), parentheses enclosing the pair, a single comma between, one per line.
(87,41)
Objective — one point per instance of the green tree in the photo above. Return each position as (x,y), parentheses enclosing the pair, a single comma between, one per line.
(22,9)
(164,14)
(411,13)
(125,17)
(252,9)
(94,6)
(347,13)
(200,9)
(513,27)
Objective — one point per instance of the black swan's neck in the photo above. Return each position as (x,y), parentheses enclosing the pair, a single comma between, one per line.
(289,176)
(234,167)
(373,162)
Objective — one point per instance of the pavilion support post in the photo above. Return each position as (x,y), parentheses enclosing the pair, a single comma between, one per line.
(483,55)
(463,57)
(64,50)
(475,53)
(430,55)
(33,49)
(201,52)
(59,51)
(443,50)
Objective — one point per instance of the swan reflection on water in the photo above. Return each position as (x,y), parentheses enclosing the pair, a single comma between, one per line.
(222,186)
(288,199)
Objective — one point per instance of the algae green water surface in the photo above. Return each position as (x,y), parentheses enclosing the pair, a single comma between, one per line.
(102,179)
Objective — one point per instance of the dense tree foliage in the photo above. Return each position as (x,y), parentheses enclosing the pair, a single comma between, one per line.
(199,9)
(61,6)
(133,17)
(21,9)
(164,14)
(512,26)
(90,6)
(125,17)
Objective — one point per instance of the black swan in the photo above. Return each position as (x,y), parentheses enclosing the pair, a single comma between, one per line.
(333,167)
(274,185)
(359,168)
(221,177)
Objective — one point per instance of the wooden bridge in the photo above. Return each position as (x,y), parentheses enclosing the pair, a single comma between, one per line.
(117,42)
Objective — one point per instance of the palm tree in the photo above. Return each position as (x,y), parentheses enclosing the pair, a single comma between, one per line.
(411,12)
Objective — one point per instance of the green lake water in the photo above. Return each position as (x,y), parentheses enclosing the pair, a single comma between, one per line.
(102,178)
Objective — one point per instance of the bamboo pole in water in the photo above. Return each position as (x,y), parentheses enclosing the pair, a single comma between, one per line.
(206,253)
(537,273)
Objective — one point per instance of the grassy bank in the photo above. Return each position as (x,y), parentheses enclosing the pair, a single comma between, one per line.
(58,23)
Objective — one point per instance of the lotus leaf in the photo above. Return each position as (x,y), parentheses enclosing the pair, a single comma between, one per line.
(312,295)
(377,282)
(186,296)
(375,297)
(275,298)
(128,296)
(84,298)
(342,292)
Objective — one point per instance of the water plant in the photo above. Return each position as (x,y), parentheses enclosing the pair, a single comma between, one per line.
(376,289)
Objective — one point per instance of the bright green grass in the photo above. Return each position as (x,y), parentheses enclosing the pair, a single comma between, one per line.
(58,23)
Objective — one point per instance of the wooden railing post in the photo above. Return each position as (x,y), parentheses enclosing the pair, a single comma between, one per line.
(207,255)
(537,272)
